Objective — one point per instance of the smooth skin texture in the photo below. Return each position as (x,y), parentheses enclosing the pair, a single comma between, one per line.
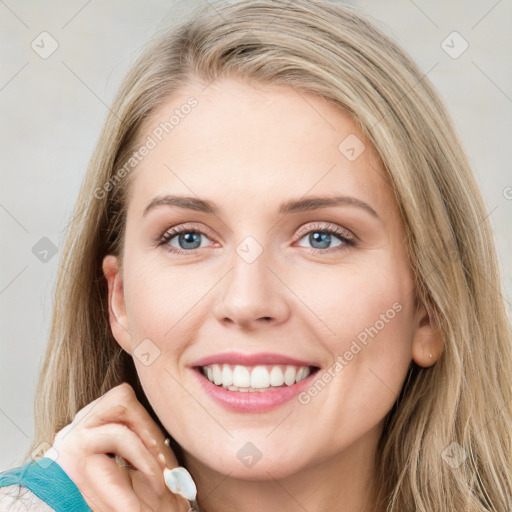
(247,149)
(116,423)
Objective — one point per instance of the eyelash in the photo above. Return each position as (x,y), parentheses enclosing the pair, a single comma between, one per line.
(340,233)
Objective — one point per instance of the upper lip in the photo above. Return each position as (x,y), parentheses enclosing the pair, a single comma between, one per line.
(250,359)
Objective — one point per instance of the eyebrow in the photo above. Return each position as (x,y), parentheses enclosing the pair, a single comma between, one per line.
(292,206)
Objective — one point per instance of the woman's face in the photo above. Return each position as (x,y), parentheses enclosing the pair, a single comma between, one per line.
(264,270)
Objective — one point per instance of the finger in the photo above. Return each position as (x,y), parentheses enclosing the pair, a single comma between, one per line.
(121,404)
(101,473)
(125,415)
(115,438)
(86,410)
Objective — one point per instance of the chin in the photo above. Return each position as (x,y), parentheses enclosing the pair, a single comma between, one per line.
(247,462)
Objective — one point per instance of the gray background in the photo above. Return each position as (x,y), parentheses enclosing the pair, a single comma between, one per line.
(52,110)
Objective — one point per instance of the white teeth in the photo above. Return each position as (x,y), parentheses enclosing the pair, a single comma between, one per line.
(217,374)
(260,377)
(241,377)
(301,374)
(257,378)
(276,376)
(289,375)
(227,375)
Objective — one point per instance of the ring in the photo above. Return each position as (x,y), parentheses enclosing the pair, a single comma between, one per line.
(123,463)
(120,461)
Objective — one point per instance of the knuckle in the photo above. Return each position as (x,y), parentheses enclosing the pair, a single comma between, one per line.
(83,438)
(124,390)
(118,411)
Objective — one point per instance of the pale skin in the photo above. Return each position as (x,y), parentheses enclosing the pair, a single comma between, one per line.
(248,149)
(116,423)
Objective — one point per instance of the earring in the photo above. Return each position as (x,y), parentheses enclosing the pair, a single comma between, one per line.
(430,355)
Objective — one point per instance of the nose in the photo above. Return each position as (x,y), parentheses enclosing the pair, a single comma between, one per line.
(251,295)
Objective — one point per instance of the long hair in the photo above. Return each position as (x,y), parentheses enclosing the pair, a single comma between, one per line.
(461,403)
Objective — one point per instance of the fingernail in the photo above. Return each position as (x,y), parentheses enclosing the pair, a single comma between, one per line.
(147,433)
(179,481)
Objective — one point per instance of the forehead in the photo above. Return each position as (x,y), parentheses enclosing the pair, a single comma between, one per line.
(243,141)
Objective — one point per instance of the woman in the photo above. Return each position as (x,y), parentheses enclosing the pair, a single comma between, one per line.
(336,339)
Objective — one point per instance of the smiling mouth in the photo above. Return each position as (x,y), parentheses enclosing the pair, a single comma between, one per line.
(256,378)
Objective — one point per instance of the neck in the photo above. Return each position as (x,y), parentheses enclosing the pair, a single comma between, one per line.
(344,482)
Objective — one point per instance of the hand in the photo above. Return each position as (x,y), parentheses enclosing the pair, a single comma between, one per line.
(117,423)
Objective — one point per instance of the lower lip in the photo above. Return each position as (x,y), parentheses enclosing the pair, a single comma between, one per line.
(253,401)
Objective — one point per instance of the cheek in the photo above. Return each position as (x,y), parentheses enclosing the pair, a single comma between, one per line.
(364,311)
(370,339)
(162,301)
(378,320)
(349,302)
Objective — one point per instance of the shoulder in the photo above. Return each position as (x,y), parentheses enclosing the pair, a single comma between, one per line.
(16,498)
(40,485)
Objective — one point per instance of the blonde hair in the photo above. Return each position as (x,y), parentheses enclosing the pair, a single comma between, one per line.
(338,53)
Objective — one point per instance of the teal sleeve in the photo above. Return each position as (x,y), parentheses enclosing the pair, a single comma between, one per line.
(49,482)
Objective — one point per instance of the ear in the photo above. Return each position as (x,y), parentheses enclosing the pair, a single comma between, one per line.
(427,340)
(116,304)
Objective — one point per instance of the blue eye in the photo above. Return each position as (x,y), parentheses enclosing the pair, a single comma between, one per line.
(319,236)
(322,238)
(186,238)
